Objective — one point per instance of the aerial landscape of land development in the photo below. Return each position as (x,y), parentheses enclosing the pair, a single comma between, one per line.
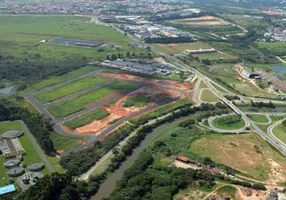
(149,99)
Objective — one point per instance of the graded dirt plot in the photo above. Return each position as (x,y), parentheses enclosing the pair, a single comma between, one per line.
(247,153)
(118,111)
(202,21)
(85,100)
(64,90)
(208,96)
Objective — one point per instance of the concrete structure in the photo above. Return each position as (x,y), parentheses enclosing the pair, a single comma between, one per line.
(11,163)
(7,189)
(12,134)
(35,167)
(77,42)
(15,171)
(11,147)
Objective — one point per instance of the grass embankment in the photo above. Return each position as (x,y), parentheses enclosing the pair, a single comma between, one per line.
(87,118)
(81,102)
(280,132)
(247,153)
(59,79)
(138,101)
(73,87)
(31,153)
(258,118)
(231,122)
(208,96)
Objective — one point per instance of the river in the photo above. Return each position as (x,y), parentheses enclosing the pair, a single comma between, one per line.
(108,186)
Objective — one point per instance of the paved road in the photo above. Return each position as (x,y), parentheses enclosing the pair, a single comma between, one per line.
(84,91)
(36,146)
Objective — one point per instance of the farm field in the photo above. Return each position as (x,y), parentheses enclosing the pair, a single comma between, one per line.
(70,88)
(244,153)
(59,79)
(280,132)
(31,153)
(231,122)
(208,96)
(86,119)
(258,118)
(81,102)
(178,48)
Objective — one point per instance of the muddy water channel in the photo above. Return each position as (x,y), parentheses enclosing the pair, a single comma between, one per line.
(107,187)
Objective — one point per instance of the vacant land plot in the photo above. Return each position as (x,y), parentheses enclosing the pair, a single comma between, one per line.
(208,96)
(138,101)
(227,190)
(280,132)
(73,87)
(83,101)
(63,143)
(59,79)
(201,21)
(231,122)
(251,90)
(247,153)
(31,153)
(179,48)
(258,118)
(86,119)
(216,57)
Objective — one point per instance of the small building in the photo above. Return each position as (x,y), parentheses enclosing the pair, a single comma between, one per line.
(11,147)
(7,189)
(251,75)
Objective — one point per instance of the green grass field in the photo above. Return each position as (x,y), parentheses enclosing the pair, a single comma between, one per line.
(59,79)
(138,101)
(241,152)
(280,132)
(86,119)
(70,88)
(208,96)
(81,102)
(229,122)
(258,118)
(178,48)
(227,190)
(65,143)
(31,153)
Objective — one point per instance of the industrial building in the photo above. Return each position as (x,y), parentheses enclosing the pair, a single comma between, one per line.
(251,75)
(202,51)
(77,42)
(10,145)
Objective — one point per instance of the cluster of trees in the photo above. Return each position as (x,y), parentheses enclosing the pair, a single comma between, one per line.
(27,71)
(262,104)
(231,97)
(168,40)
(146,181)
(229,120)
(37,124)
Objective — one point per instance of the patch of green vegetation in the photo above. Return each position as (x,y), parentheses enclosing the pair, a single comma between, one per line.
(70,88)
(3,173)
(258,118)
(231,122)
(59,79)
(280,132)
(65,143)
(102,167)
(261,84)
(202,85)
(208,96)
(227,190)
(138,101)
(86,119)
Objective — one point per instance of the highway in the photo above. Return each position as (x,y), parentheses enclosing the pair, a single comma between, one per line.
(279,145)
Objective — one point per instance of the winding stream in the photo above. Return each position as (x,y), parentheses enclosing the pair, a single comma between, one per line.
(108,186)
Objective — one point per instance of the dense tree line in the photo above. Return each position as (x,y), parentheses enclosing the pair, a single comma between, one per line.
(168,40)
(37,124)
(146,181)
(262,104)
